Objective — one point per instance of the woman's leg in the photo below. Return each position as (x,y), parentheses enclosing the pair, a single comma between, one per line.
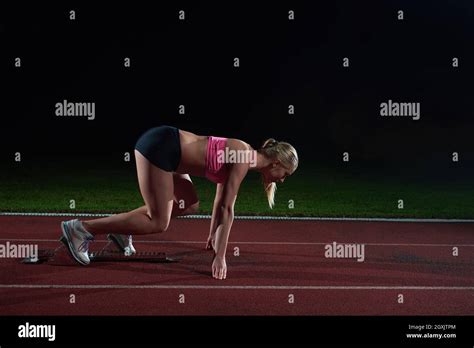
(156,187)
(185,202)
(185,198)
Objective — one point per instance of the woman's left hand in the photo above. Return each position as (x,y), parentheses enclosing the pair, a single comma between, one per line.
(211,243)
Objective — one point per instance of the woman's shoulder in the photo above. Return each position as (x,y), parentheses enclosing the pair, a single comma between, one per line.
(237,144)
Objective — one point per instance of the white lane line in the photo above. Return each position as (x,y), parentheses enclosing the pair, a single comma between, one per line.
(230,287)
(250,243)
(257,217)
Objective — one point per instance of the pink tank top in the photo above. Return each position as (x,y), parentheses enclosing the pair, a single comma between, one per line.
(216,170)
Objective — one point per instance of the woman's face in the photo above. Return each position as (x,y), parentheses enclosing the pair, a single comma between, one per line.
(276,172)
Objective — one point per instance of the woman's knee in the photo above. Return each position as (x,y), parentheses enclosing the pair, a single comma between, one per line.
(159,225)
(184,192)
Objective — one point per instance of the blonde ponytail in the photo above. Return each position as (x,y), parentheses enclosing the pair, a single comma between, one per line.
(270,192)
(269,143)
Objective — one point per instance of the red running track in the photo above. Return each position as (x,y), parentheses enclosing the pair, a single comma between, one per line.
(277,259)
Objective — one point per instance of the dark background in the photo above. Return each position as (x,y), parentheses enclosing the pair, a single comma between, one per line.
(282,62)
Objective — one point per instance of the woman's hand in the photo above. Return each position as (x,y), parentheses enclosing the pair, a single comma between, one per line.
(219,267)
(211,243)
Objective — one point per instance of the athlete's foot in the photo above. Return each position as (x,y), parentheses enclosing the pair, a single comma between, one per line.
(123,242)
(77,240)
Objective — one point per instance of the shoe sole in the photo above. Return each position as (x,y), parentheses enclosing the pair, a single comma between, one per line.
(117,243)
(66,240)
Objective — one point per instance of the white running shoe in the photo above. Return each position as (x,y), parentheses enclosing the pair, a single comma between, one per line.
(77,240)
(123,242)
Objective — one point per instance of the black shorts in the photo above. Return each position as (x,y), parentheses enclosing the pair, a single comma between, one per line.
(161,146)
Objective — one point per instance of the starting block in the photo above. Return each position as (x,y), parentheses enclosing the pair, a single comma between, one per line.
(109,253)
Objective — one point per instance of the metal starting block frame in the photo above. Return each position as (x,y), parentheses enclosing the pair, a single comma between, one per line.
(109,253)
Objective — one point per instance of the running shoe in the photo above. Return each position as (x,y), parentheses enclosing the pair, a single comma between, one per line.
(77,240)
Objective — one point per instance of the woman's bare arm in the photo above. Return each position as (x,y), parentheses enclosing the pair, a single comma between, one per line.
(215,212)
(225,217)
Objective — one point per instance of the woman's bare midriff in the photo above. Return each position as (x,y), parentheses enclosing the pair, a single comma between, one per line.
(193,154)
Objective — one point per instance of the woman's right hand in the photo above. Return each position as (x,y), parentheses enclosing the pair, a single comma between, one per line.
(219,267)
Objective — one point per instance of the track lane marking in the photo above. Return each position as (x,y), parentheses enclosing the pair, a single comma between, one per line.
(256,217)
(249,243)
(230,287)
